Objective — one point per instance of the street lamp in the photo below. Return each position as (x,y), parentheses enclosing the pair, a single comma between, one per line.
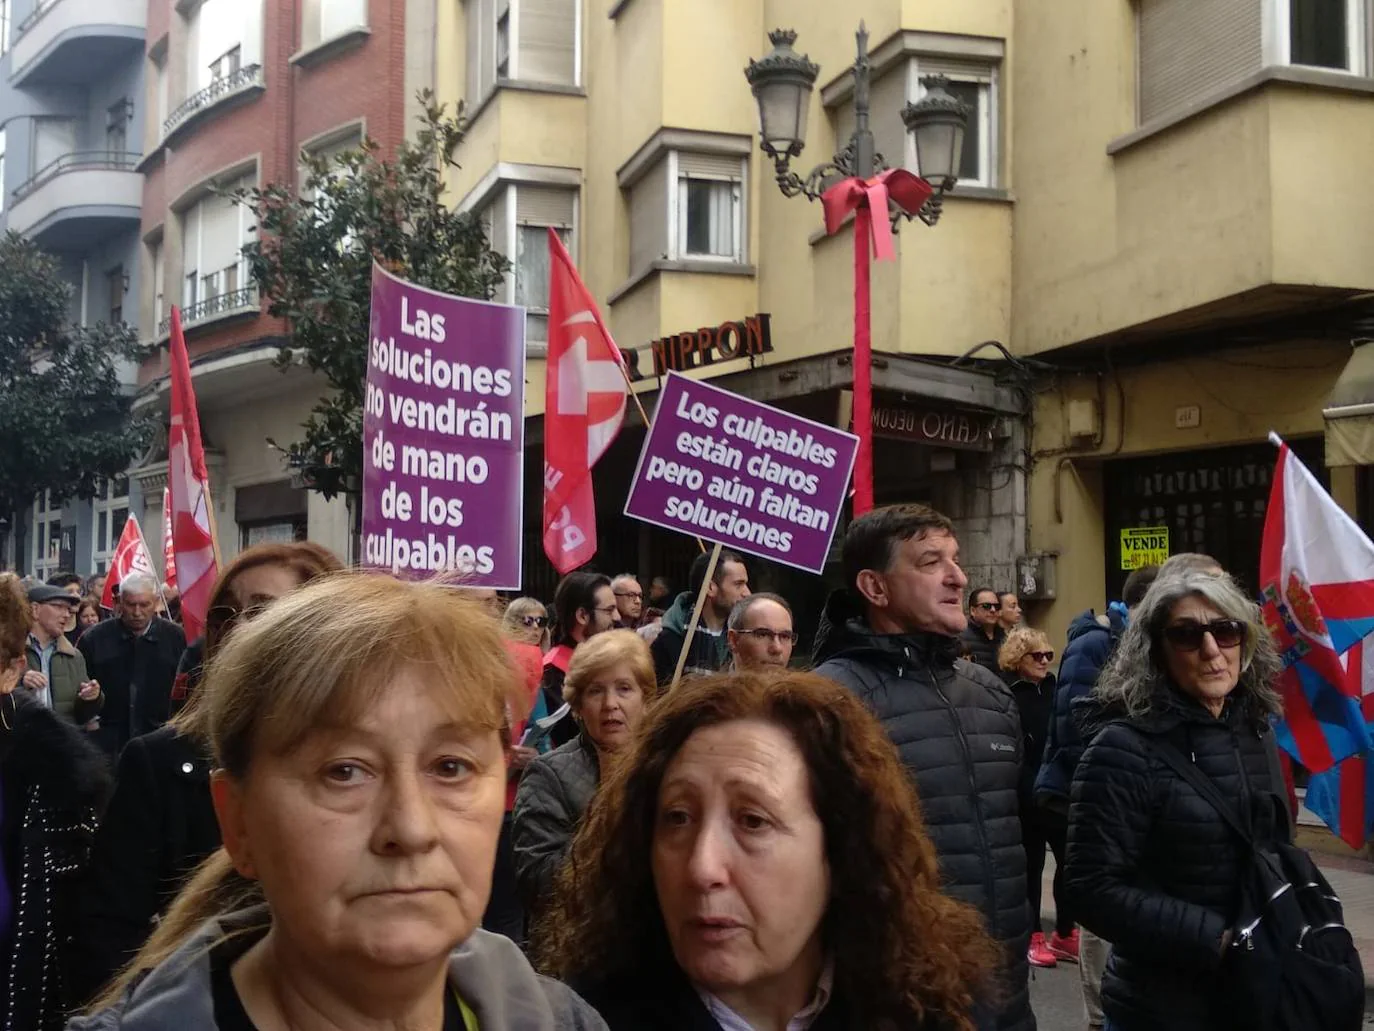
(782,82)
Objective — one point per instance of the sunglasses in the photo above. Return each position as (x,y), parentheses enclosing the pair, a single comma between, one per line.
(1227,633)
(1041,656)
(988,606)
(225,616)
(535,621)
(762,634)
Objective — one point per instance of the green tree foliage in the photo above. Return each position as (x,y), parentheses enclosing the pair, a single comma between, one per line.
(65,421)
(313,261)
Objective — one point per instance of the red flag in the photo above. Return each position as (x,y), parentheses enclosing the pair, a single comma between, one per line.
(584,409)
(189,488)
(169,557)
(131,556)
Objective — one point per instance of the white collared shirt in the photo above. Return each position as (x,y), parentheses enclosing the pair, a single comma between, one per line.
(729,1020)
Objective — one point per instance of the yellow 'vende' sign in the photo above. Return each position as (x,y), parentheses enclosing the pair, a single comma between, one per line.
(1144,546)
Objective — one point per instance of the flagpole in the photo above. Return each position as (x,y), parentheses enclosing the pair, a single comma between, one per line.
(1275,439)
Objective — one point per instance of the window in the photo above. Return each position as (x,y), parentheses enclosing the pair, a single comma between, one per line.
(215,232)
(503,45)
(223,36)
(4,27)
(325,19)
(118,285)
(226,64)
(975,87)
(111,511)
(330,151)
(1322,33)
(159,284)
(45,537)
(117,126)
(528,40)
(710,207)
(517,222)
(53,138)
(161,88)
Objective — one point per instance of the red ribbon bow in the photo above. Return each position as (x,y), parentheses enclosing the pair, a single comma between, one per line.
(909,191)
(868,200)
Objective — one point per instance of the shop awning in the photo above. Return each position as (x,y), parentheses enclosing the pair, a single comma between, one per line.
(1349,412)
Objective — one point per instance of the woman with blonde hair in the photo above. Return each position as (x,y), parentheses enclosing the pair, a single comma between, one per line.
(757,859)
(358,728)
(527,619)
(610,682)
(1025,658)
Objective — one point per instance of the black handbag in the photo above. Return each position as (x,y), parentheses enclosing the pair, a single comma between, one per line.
(1292,964)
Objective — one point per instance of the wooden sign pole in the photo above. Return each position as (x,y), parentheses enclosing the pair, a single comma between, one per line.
(696,615)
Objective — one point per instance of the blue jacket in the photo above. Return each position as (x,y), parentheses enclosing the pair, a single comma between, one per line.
(1091,640)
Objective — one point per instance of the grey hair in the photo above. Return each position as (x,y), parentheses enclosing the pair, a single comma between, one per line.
(1135,678)
(139,583)
(621,577)
(743,606)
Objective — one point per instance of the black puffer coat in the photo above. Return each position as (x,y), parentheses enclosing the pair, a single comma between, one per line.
(553,794)
(1152,868)
(957,729)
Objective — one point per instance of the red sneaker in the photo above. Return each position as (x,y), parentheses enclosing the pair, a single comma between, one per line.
(1039,954)
(1064,948)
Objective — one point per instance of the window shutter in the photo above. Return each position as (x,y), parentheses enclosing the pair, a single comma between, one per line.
(544,206)
(649,217)
(547,40)
(710,166)
(1188,49)
(496,221)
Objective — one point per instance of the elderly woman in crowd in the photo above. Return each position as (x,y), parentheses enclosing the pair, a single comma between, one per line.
(527,620)
(53,782)
(1025,658)
(1152,867)
(359,741)
(759,860)
(161,822)
(609,684)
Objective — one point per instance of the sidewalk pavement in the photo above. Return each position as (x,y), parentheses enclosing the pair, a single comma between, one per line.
(1352,879)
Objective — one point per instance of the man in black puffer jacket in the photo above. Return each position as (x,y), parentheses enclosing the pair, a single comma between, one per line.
(892,638)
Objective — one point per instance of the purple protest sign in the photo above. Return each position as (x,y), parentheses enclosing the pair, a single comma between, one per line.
(443,435)
(741,473)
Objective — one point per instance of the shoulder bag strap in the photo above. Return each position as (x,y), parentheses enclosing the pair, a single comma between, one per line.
(1202,784)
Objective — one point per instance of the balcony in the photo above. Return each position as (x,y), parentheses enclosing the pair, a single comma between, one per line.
(69,42)
(235,87)
(232,304)
(78,200)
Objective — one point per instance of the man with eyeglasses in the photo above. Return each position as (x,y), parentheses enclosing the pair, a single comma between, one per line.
(759,632)
(629,601)
(584,606)
(984,636)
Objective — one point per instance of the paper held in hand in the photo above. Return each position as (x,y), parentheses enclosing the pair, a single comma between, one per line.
(539,730)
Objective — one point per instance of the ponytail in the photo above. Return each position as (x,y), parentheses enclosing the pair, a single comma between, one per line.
(214,890)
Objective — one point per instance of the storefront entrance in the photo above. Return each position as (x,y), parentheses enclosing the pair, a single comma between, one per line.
(1210,501)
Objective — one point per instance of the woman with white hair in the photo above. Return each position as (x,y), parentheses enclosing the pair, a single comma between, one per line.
(1152,866)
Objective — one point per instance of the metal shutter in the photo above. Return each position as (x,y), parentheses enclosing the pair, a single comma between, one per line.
(1190,48)
(649,217)
(710,166)
(547,41)
(544,206)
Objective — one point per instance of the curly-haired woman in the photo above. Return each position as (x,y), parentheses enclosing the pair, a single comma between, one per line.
(758,859)
(1152,867)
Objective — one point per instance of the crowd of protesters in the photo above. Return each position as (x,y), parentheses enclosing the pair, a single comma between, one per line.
(358,801)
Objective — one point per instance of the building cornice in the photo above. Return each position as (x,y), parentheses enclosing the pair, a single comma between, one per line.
(695,140)
(910,43)
(505,172)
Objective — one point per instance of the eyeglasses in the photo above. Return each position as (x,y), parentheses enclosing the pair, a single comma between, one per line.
(535,621)
(1227,633)
(636,595)
(1041,656)
(987,606)
(225,616)
(763,635)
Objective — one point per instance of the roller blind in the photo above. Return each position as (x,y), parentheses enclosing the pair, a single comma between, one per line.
(544,206)
(711,166)
(649,217)
(547,41)
(1188,49)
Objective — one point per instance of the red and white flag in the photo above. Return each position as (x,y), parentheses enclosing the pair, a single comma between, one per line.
(188,485)
(584,409)
(169,556)
(131,556)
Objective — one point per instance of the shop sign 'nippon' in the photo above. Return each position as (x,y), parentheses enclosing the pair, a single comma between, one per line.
(743,474)
(1144,546)
(443,435)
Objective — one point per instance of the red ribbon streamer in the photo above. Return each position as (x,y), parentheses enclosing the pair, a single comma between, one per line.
(864,199)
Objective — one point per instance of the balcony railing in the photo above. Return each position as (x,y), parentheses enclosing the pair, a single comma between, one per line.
(244,79)
(40,8)
(78,161)
(221,304)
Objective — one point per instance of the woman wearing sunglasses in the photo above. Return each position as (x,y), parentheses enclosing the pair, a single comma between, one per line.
(527,620)
(1025,659)
(1152,867)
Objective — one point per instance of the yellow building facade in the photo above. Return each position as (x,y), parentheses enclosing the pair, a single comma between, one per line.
(1161,218)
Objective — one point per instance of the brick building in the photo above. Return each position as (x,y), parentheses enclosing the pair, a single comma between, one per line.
(240,90)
